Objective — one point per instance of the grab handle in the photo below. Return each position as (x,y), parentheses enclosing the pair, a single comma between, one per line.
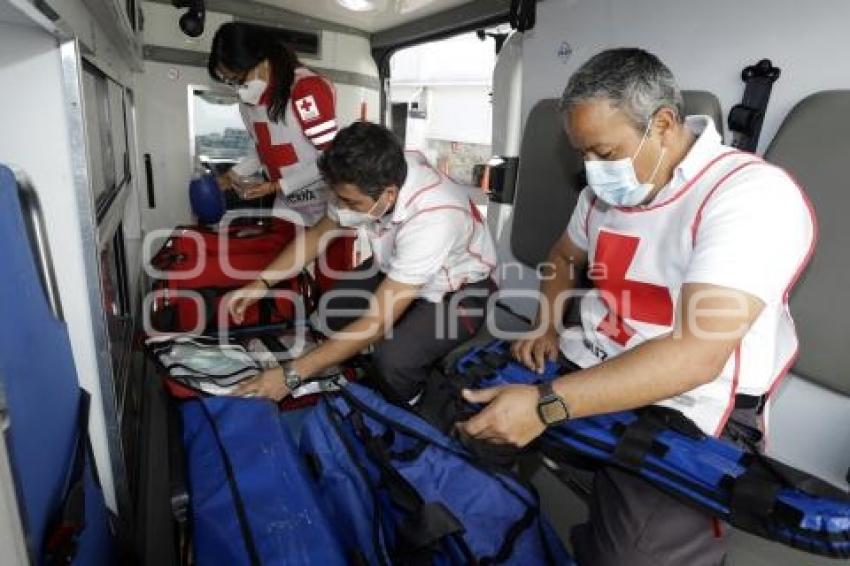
(35,226)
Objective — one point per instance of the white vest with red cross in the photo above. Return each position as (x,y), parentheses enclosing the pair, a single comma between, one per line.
(287,150)
(727,219)
(435,237)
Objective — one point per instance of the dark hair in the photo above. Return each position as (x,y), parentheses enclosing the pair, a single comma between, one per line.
(366,155)
(241,47)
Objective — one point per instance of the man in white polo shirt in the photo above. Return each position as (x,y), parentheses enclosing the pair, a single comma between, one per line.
(424,289)
(692,249)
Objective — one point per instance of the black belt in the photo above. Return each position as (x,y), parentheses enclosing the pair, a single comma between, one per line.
(750,402)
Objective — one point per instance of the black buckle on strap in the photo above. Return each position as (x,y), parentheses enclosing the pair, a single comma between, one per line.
(751,402)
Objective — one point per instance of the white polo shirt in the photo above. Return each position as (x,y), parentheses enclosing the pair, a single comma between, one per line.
(727,218)
(435,236)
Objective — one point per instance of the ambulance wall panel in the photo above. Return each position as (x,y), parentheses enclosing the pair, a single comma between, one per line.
(349,99)
(706,44)
(346,52)
(97,46)
(163,109)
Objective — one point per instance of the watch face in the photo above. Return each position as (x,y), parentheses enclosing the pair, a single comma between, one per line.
(292,381)
(553,412)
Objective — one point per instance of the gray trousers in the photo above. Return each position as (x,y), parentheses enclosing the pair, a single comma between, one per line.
(632,523)
(422,336)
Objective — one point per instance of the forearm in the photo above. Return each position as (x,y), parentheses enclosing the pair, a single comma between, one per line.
(302,178)
(656,370)
(248,165)
(390,300)
(306,247)
(343,345)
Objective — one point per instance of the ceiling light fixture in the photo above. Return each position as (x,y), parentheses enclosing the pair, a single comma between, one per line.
(357,5)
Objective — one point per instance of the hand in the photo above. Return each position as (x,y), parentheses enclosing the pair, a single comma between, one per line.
(534,351)
(227,181)
(239,300)
(509,418)
(259,190)
(269,384)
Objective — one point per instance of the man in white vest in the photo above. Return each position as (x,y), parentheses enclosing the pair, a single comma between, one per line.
(692,248)
(422,292)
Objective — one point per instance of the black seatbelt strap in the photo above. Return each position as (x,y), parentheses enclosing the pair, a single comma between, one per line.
(523,14)
(276,347)
(745,119)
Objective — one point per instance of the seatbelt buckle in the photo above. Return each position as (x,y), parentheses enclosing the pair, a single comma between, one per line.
(751,402)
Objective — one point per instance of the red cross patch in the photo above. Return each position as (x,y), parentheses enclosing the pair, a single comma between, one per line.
(626,298)
(308,109)
(273,156)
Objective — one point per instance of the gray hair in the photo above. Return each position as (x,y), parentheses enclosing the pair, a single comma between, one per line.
(632,80)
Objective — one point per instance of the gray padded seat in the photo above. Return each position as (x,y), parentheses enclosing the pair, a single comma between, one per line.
(551,172)
(813,144)
(702,102)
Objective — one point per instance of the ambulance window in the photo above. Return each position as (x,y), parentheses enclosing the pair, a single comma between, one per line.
(440,95)
(96,103)
(218,134)
(118,125)
(106,137)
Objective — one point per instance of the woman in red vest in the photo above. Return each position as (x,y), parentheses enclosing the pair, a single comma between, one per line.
(290,113)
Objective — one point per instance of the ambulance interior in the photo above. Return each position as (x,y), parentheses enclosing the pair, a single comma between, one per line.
(107,106)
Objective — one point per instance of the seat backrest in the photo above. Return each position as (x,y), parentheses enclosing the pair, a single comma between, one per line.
(551,176)
(813,144)
(548,184)
(702,102)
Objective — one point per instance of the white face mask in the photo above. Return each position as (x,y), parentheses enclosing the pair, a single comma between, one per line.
(252,91)
(348,218)
(616,183)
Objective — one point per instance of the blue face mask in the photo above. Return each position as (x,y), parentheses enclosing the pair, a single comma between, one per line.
(616,183)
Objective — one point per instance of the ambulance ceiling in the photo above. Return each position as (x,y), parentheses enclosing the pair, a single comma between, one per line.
(368,15)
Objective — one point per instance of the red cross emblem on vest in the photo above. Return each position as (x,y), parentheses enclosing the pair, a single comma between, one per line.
(273,156)
(626,298)
(307,108)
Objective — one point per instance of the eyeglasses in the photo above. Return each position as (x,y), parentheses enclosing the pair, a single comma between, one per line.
(234,82)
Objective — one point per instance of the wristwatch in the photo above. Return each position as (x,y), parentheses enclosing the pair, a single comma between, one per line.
(291,377)
(551,407)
